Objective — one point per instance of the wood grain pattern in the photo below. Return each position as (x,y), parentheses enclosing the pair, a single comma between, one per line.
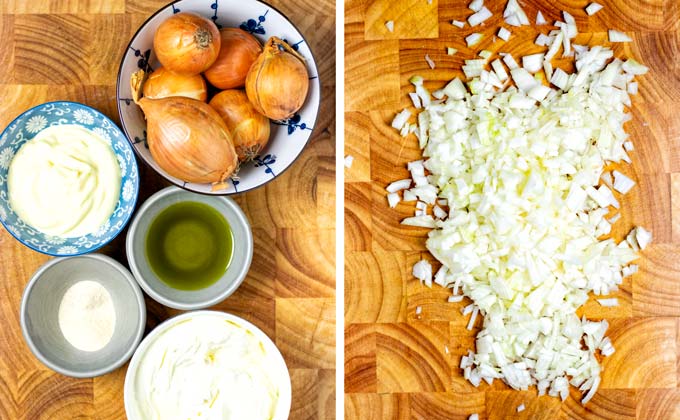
(400,364)
(71,50)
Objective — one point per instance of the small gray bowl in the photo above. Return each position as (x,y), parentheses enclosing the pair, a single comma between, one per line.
(40,315)
(135,247)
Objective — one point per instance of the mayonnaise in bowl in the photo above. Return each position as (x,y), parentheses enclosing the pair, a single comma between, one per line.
(65,181)
(207,365)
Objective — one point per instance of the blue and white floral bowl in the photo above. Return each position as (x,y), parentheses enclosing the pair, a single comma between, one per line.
(23,129)
(288,138)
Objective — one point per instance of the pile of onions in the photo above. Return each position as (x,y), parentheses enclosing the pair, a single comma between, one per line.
(248,128)
(278,81)
(163,83)
(188,139)
(238,53)
(187,43)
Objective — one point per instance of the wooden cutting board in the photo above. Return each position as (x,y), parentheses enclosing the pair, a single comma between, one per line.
(70,50)
(396,363)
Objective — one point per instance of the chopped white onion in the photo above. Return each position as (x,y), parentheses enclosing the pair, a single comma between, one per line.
(479,17)
(593,8)
(409,196)
(429,61)
(476,5)
(473,39)
(643,237)
(349,159)
(419,310)
(533,63)
(474,416)
(540,20)
(393,199)
(390,25)
(525,233)
(395,186)
(521,408)
(618,36)
(608,302)
(622,183)
(451,51)
(458,23)
(400,119)
(504,34)
(422,270)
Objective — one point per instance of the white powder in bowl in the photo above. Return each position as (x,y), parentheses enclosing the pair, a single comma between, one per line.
(87,317)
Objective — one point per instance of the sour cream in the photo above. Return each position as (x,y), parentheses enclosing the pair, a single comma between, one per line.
(65,181)
(210,368)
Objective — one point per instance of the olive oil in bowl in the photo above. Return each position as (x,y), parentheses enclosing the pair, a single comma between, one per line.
(189,245)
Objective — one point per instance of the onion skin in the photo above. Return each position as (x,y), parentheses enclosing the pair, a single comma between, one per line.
(248,128)
(163,83)
(238,52)
(278,81)
(188,139)
(186,43)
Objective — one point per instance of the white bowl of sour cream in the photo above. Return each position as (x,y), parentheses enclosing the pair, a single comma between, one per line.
(208,365)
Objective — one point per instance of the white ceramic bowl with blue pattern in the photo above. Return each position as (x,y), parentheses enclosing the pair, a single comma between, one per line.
(288,138)
(23,129)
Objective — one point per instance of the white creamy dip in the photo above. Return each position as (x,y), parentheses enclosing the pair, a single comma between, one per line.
(210,368)
(65,181)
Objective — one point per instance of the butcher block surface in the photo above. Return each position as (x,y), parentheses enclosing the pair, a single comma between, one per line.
(396,362)
(71,50)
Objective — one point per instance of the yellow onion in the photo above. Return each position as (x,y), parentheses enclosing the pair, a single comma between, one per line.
(238,52)
(187,43)
(278,82)
(248,128)
(188,139)
(163,83)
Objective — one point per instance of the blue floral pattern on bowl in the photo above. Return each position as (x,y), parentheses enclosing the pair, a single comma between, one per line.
(288,138)
(23,129)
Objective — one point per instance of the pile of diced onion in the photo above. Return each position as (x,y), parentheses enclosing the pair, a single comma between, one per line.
(514,188)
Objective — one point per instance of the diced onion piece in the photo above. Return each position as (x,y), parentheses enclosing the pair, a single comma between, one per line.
(504,34)
(479,17)
(499,70)
(555,46)
(631,66)
(455,89)
(415,99)
(643,237)
(458,23)
(455,299)
(476,5)
(542,40)
(628,146)
(521,408)
(514,11)
(393,199)
(540,20)
(425,221)
(349,159)
(439,213)
(593,8)
(429,61)
(485,54)
(608,302)
(398,185)
(451,51)
(409,196)
(533,63)
(618,36)
(474,416)
(510,62)
(523,79)
(419,310)
(473,39)
(400,119)
(390,25)
(633,88)
(422,270)
(622,183)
